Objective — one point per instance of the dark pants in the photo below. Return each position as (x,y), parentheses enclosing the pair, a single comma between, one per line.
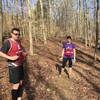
(64,65)
(65,61)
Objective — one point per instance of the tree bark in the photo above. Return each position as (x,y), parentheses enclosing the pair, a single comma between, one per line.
(1,22)
(30,29)
(42,18)
(97,28)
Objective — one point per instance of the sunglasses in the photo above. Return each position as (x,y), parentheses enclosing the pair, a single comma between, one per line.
(17,34)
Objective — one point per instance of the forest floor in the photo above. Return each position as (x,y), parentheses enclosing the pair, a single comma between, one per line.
(42,81)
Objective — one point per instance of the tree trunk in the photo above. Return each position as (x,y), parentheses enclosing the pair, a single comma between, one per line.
(30,38)
(50,17)
(1,22)
(30,30)
(81,17)
(42,18)
(97,28)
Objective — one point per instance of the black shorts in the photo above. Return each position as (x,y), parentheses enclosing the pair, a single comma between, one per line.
(16,74)
(65,61)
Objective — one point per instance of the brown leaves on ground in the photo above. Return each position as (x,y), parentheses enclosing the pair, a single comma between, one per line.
(42,81)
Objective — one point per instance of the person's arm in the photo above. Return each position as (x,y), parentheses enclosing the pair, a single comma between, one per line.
(74,55)
(4,49)
(8,57)
(24,52)
(23,49)
(62,53)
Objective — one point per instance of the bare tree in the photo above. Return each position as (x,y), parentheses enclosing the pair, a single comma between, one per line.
(1,22)
(97,28)
(30,28)
(42,18)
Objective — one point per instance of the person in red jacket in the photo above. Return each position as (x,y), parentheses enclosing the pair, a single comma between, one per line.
(14,52)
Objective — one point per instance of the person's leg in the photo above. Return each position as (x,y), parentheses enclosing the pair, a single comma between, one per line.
(14,79)
(20,90)
(64,62)
(14,91)
(21,86)
(63,66)
(70,66)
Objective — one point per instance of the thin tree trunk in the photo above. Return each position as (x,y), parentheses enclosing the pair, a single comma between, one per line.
(97,28)
(30,38)
(30,30)
(85,23)
(81,17)
(1,22)
(42,18)
(50,16)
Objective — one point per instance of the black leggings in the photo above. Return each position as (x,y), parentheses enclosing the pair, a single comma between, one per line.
(65,61)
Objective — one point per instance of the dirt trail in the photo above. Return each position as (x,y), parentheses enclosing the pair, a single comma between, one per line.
(43,82)
(85,84)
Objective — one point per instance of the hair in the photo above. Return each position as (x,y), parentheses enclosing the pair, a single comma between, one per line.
(69,37)
(15,29)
